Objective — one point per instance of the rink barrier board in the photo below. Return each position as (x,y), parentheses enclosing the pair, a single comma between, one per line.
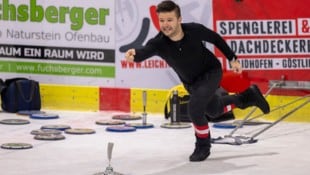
(62,97)
(89,98)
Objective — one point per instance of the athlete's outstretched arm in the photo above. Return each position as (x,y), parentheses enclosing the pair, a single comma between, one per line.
(141,54)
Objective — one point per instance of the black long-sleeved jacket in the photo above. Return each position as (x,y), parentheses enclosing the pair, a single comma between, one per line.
(188,57)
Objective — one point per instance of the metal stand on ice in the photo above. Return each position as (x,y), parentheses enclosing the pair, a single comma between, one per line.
(144,124)
(175,122)
(109,170)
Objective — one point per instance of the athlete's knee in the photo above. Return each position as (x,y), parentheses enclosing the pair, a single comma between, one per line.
(199,120)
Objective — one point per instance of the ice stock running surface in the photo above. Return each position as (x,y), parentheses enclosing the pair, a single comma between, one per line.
(284,149)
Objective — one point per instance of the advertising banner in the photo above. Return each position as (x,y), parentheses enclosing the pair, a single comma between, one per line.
(271,38)
(44,39)
(136,23)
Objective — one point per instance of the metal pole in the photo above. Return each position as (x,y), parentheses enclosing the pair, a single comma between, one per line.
(144,120)
(281,107)
(280,119)
(175,107)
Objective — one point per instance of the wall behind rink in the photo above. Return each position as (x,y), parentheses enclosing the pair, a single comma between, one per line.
(79,43)
(75,48)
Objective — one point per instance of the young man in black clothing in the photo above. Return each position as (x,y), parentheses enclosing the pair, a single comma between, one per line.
(181,46)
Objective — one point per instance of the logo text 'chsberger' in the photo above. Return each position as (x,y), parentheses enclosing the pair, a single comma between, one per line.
(37,13)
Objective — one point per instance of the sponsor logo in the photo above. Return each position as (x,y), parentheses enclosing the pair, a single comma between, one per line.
(33,12)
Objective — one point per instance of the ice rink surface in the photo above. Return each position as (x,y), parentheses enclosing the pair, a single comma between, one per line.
(283,149)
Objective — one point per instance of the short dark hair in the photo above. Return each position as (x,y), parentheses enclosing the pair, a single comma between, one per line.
(168,6)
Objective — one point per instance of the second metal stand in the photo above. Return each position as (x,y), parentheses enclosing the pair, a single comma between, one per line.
(144,124)
(175,114)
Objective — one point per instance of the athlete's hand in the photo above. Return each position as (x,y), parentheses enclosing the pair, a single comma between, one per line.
(130,55)
(236,66)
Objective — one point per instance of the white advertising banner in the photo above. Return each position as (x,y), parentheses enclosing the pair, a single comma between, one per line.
(135,24)
(59,41)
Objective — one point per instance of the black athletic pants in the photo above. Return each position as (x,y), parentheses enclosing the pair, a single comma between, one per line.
(203,99)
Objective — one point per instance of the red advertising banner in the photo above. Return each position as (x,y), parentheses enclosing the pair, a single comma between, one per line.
(270,38)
